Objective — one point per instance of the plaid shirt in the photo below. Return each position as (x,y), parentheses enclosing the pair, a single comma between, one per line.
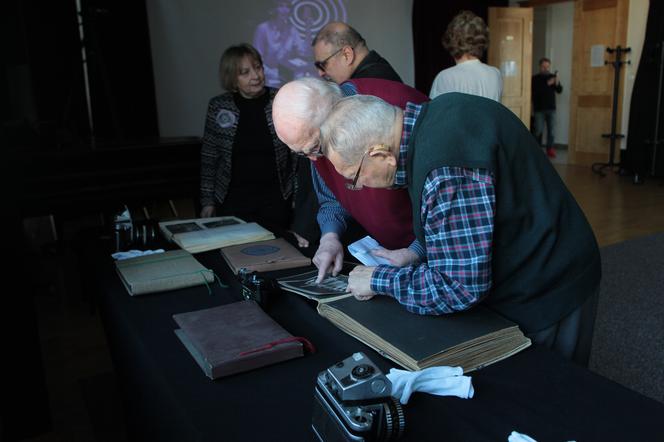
(458,207)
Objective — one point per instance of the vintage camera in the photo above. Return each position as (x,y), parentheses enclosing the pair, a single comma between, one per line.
(352,402)
(255,287)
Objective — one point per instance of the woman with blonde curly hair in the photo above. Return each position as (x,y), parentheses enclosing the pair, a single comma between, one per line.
(466,39)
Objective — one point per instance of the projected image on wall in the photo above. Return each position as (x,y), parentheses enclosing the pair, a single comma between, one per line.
(284,38)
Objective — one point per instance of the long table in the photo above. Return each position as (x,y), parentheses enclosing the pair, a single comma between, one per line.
(167,396)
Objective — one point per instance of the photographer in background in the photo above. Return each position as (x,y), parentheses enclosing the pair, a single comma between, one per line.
(545,85)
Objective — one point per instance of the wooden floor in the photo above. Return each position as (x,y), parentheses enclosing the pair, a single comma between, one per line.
(616,208)
(75,351)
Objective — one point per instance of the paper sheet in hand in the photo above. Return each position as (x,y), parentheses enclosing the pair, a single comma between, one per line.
(362,248)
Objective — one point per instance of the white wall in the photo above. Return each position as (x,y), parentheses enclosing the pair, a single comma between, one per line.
(559,38)
(540,17)
(188,37)
(636,32)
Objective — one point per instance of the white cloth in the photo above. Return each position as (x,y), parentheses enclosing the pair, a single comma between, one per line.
(441,381)
(519,437)
(470,77)
(134,253)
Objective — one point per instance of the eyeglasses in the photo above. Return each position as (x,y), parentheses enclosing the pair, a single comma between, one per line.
(321,64)
(353,184)
(316,151)
(377,147)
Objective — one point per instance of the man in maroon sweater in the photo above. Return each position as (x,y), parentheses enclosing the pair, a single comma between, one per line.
(299,108)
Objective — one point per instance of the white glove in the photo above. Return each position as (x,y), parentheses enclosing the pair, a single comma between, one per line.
(441,381)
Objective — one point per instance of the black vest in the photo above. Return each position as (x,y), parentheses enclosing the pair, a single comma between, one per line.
(545,260)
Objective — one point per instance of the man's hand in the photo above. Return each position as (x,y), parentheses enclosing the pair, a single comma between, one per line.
(398,257)
(359,283)
(329,257)
(207,211)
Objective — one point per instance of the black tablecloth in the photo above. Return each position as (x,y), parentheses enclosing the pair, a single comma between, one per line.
(167,396)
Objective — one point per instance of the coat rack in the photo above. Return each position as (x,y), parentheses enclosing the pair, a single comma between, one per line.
(613,136)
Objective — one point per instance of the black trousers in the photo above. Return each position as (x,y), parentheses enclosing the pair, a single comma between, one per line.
(572,336)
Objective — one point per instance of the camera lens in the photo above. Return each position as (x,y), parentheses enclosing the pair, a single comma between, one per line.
(362,371)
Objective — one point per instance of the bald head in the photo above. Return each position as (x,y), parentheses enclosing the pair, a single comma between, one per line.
(299,109)
(338,34)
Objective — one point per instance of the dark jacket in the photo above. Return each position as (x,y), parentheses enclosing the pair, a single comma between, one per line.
(375,66)
(221,125)
(544,95)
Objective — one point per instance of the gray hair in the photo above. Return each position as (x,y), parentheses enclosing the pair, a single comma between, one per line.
(355,124)
(312,100)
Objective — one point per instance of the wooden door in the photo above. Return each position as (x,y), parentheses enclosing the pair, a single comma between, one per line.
(598,24)
(511,51)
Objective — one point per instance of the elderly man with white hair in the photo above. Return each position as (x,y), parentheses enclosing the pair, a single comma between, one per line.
(299,108)
(498,224)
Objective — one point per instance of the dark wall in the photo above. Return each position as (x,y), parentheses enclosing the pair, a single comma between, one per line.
(430,20)
(42,93)
(120,67)
(42,84)
(59,164)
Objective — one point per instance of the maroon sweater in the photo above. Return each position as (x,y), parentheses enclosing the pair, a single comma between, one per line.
(384,213)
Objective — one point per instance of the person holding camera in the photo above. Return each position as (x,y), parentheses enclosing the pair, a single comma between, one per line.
(545,86)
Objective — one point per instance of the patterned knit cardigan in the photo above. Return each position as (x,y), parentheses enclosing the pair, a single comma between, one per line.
(217,150)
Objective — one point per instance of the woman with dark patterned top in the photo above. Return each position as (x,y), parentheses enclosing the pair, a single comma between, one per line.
(246,170)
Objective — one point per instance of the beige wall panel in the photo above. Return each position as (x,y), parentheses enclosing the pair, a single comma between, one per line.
(511,49)
(600,29)
(592,122)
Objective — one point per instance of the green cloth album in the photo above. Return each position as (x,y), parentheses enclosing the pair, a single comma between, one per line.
(159,272)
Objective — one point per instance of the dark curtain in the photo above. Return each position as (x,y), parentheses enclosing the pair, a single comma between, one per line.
(430,20)
(124,104)
(24,399)
(42,85)
(643,120)
(42,98)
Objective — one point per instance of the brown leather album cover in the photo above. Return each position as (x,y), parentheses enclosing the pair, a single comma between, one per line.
(235,337)
(264,256)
